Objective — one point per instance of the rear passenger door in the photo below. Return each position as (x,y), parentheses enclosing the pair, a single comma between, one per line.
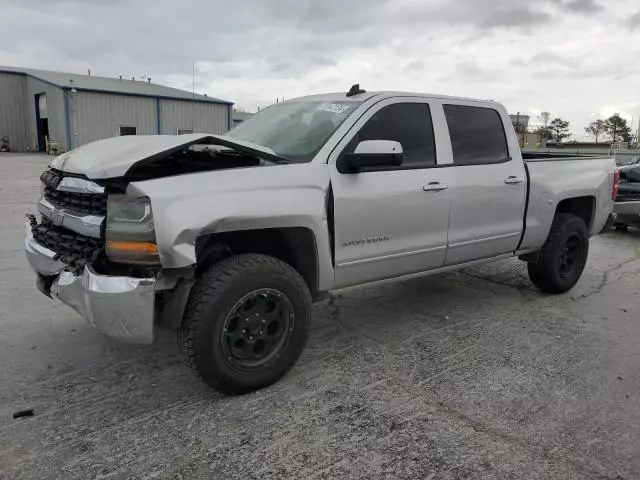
(487,184)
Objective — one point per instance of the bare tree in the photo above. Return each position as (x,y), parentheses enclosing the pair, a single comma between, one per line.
(544,118)
(544,129)
(596,128)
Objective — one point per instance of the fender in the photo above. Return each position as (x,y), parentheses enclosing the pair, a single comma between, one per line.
(274,196)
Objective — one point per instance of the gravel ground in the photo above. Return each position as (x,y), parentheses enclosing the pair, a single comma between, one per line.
(471,375)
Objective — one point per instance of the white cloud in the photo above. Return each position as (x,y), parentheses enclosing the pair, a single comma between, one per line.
(569,57)
(607,111)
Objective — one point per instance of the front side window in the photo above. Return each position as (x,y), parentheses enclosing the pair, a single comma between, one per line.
(294,130)
(477,135)
(406,123)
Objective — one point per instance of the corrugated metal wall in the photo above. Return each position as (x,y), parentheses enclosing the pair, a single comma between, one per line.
(195,116)
(95,116)
(55,107)
(13,120)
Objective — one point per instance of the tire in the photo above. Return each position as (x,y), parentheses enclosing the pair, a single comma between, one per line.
(622,228)
(552,273)
(225,357)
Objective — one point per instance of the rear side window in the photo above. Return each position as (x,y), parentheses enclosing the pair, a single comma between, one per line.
(407,123)
(477,135)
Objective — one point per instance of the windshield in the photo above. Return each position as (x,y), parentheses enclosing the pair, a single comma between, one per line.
(296,130)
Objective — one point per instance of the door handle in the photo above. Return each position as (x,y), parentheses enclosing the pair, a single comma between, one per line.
(513,180)
(435,187)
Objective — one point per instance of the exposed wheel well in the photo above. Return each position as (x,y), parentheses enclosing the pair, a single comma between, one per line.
(582,207)
(295,246)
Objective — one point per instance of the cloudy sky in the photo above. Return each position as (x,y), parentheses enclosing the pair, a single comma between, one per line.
(578,59)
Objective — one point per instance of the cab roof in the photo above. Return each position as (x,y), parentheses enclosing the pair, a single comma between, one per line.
(362,97)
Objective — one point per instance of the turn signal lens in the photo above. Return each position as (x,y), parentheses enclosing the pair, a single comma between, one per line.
(135,247)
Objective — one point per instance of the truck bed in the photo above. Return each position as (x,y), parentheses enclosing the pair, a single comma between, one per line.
(554,157)
(553,178)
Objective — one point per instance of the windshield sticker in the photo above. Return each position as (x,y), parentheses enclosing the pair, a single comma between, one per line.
(334,107)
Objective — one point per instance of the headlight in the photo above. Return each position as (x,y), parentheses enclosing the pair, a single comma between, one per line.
(129,233)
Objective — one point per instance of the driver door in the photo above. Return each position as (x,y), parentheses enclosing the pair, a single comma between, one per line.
(391,221)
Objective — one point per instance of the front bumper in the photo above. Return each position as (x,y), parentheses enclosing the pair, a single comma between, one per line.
(119,307)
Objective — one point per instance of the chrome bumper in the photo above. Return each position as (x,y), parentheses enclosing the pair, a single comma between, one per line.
(119,307)
(88,225)
(627,208)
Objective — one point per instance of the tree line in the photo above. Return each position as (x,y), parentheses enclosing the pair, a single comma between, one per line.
(614,128)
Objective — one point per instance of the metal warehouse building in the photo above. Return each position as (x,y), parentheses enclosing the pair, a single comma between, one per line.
(68,110)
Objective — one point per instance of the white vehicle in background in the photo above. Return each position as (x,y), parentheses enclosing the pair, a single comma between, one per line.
(230,238)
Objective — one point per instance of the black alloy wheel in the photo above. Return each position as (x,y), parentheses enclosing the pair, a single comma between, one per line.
(255,328)
(571,255)
(563,256)
(246,322)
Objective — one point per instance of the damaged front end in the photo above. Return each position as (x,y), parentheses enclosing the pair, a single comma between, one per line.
(67,251)
(94,246)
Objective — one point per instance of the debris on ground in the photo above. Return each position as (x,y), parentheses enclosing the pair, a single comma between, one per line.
(23,413)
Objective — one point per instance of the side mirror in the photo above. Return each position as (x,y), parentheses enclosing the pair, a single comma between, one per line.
(371,153)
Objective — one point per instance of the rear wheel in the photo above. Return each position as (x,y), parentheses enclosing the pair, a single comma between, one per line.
(563,256)
(246,322)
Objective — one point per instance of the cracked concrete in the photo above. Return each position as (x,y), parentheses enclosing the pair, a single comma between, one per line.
(470,375)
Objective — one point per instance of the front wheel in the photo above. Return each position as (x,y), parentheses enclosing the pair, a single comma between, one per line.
(246,322)
(563,256)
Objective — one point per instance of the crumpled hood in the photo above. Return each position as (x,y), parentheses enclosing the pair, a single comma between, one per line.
(113,157)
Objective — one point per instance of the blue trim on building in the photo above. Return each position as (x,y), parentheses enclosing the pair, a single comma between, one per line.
(162,97)
(42,147)
(158,118)
(230,116)
(67,117)
(25,74)
(117,92)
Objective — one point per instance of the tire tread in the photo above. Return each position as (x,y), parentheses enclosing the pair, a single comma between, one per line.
(204,292)
(544,273)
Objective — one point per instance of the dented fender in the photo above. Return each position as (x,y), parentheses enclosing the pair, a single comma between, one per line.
(275,196)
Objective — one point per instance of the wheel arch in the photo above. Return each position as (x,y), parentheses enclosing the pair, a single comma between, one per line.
(296,246)
(583,207)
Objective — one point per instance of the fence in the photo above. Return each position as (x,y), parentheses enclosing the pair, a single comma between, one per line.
(623,157)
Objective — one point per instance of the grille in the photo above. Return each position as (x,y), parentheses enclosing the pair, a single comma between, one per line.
(628,195)
(71,248)
(86,203)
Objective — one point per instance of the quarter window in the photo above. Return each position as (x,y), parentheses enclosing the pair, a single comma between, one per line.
(406,123)
(477,135)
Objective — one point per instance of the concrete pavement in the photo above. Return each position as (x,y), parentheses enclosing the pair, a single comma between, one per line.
(467,375)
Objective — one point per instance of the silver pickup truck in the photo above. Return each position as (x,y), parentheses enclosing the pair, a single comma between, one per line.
(229,239)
